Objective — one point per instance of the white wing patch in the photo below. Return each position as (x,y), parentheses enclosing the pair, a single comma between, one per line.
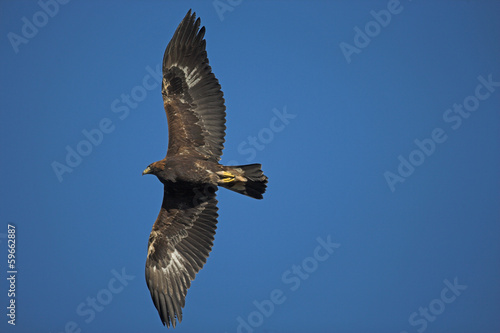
(192,76)
(176,260)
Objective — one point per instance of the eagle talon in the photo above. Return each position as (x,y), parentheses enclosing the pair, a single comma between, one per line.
(225,177)
(225,174)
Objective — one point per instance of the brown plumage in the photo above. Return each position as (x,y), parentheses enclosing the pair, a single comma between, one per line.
(183,233)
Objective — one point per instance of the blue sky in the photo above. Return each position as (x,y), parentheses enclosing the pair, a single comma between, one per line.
(376,122)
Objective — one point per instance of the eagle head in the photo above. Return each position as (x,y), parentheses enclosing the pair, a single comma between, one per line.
(154,168)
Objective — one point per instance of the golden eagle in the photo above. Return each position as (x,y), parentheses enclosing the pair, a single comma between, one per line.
(182,235)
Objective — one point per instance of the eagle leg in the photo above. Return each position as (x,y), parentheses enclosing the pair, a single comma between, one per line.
(225,177)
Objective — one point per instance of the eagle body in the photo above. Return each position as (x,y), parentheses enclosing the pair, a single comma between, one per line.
(181,169)
(182,236)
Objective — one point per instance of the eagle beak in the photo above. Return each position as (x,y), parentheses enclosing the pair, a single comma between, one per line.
(146,171)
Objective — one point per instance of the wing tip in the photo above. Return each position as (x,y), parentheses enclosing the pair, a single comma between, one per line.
(189,15)
(169,311)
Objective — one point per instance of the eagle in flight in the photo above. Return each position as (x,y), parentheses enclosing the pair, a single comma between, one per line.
(182,236)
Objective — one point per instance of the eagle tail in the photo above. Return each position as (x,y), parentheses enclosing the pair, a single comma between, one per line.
(245,179)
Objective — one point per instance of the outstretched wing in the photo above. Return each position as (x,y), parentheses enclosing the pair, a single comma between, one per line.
(192,95)
(179,245)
